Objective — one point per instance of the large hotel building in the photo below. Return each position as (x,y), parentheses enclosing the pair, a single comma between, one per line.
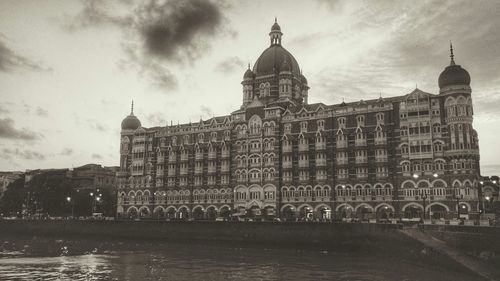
(410,156)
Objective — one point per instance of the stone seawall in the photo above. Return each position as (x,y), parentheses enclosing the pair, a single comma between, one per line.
(306,234)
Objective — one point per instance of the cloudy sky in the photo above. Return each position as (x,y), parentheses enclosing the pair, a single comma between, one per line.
(69,69)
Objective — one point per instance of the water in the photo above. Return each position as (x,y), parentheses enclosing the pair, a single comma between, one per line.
(52,259)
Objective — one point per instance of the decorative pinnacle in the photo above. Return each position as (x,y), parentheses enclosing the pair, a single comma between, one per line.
(275,20)
(451,54)
(248,65)
(132,108)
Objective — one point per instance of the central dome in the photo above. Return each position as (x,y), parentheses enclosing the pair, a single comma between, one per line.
(272,59)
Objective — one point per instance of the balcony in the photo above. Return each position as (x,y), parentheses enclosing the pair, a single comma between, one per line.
(212,155)
(198,170)
(287,165)
(159,173)
(184,157)
(183,172)
(303,163)
(381,159)
(380,141)
(225,153)
(342,144)
(361,160)
(303,147)
(224,168)
(320,146)
(171,173)
(172,159)
(198,156)
(160,160)
(342,161)
(211,170)
(360,142)
(320,162)
(287,149)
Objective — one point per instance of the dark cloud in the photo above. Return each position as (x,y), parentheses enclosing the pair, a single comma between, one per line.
(96,13)
(42,112)
(229,65)
(11,61)
(174,30)
(67,152)
(10,154)
(157,32)
(8,131)
(96,156)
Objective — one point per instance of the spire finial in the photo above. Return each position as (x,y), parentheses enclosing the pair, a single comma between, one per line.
(451,54)
(248,65)
(132,108)
(275,20)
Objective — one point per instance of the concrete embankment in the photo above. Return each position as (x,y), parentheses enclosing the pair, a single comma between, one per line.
(483,268)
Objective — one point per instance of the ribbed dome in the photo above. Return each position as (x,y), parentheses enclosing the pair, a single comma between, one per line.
(271,60)
(131,122)
(454,75)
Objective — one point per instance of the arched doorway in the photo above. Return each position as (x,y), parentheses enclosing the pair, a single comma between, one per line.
(144,213)
(211,213)
(344,212)
(438,212)
(159,213)
(198,213)
(412,212)
(269,213)
(254,212)
(324,213)
(364,213)
(225,212)
(183,213)
(132,213)
(384,212)
(288,213)
(171,213)
(306,213)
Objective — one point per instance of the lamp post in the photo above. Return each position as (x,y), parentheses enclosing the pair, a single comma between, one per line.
(68,199)
(458,197)
(426,193)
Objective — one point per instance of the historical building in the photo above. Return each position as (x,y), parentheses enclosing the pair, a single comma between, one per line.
(279,156)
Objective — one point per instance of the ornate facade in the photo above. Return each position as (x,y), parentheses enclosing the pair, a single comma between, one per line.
(279,156)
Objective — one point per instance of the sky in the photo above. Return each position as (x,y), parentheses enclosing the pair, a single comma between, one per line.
(70,69)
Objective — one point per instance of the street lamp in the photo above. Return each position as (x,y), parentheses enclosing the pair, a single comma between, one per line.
(424,197)
(458,197)
(68,199)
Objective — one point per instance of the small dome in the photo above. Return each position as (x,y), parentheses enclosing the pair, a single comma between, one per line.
(303,79)
(454,75)
(276,27)
(248,73)
(131,122)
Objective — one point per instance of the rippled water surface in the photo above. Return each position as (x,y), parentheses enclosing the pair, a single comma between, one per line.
(51,259)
